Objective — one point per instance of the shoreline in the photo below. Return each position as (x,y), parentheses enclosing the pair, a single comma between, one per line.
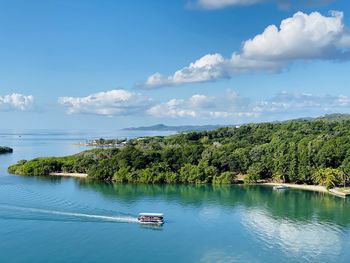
(76,175)
(338,191)
(315,188)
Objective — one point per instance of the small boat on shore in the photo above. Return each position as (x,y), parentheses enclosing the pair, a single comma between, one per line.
(151,218)
(280,187)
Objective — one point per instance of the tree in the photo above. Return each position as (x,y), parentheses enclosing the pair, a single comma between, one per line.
(225,178)
(328,177)
(104,170)
(121,176)
(190,173)
(345,168)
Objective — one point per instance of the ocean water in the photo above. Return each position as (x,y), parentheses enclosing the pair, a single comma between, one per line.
(45,219)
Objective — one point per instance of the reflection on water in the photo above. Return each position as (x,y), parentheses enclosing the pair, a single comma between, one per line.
(302,225)
(296,205)
(218,224)
(300,240)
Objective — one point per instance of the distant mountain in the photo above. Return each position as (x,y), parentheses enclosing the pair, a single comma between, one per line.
(181,128)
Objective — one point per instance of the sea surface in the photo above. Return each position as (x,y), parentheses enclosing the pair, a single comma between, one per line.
(45,219)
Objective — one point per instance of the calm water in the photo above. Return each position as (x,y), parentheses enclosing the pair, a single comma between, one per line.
(68,220)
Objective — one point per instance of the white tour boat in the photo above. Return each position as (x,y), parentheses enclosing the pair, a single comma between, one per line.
(151,218)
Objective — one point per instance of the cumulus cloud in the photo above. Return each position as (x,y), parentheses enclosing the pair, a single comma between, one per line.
(298,38)
(301,37)
(109,103)
(232,105)
(16,101)
(207,68)
(220,4)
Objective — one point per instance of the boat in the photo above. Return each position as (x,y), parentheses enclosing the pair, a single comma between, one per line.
(151,218)
(280,187)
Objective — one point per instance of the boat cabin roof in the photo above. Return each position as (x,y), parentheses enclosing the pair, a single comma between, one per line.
(151,214)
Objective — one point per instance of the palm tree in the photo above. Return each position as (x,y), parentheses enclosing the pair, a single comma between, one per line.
(328,177)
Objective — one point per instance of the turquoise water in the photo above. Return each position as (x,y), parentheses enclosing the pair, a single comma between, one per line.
(68,220)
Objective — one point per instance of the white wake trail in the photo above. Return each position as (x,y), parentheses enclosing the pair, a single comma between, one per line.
(123,219)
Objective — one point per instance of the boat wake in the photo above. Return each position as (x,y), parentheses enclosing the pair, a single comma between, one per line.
(109,218)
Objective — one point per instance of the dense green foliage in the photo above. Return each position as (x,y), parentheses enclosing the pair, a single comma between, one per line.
(303,151)
(4,149)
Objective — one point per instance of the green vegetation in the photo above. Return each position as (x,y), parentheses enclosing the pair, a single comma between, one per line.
(4,149)
(300,151)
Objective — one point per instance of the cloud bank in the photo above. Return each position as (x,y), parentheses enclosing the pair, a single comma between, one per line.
(303,102)
(110,103)
(302,37)
(15,102)
(233,105)
(229,105)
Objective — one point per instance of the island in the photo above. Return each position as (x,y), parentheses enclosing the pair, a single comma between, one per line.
(304,151)
(5,149)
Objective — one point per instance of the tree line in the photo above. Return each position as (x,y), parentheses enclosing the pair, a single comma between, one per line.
(301,151)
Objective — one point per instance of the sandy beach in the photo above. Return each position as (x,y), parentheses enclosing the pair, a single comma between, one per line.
(78,175)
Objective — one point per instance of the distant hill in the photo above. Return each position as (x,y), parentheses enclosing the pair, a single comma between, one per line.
(334,117)
(327,117)
(181,128)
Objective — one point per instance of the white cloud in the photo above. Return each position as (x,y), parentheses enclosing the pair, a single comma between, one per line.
(16,101)
(220,4)
(109,103)
(300,37)
(172,108)
(207,68)
(230,105)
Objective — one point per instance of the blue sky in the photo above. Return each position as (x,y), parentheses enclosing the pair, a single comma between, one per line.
(112,64)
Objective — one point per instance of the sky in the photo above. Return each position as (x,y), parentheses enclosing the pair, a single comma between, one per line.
(88,64)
